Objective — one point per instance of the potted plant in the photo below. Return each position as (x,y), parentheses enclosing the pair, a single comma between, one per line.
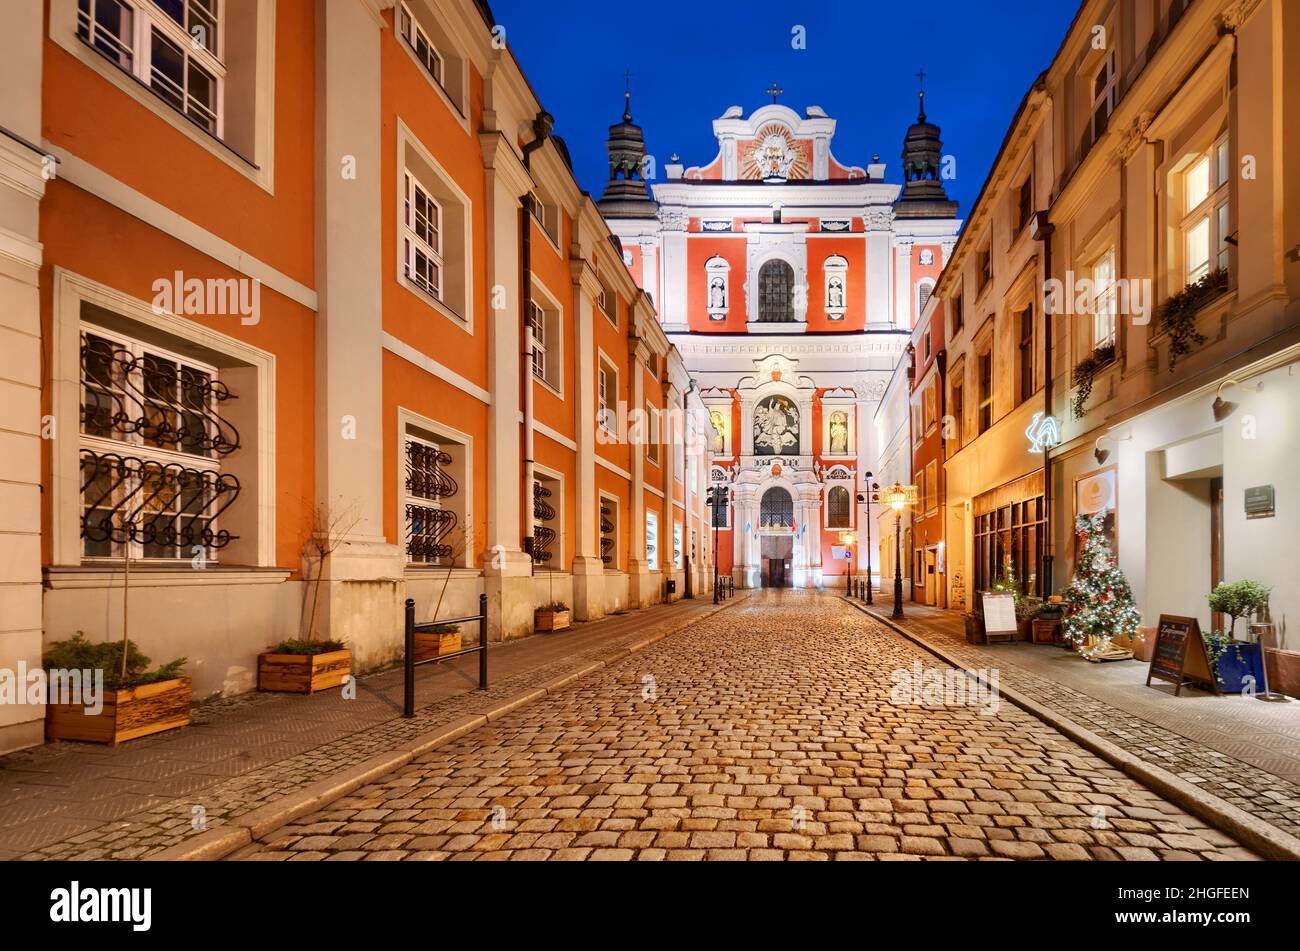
(1236,663)
(437,641)
(306,665)
(134,701)
(553,617)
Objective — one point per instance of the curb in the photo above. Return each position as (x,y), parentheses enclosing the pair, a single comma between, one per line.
(242,831)
(1247,829)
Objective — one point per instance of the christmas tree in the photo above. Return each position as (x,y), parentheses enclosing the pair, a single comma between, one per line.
(1100,600)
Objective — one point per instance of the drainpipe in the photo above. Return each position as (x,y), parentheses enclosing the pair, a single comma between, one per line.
(542,126)
(1043,231)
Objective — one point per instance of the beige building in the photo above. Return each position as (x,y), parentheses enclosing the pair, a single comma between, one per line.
(1150,160)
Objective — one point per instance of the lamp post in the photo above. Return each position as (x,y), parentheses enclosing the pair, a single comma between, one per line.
(717,499)
(872,489)
(899,497)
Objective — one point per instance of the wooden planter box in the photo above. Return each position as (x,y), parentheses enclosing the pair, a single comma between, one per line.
(429,646)
(1025,629)
(975,630)
(553,620)
(296,673)
(1047,631)
(127,714)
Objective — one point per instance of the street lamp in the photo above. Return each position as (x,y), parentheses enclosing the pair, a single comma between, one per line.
(899,497)
(717,499)
(872,489)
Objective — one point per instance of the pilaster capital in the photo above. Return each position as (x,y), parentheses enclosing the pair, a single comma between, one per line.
(585,277)
(501,158)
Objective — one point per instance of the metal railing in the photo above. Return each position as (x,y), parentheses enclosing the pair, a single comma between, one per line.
(410,663)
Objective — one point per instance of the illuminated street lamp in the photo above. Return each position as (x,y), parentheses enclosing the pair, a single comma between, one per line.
(899,497)
(717,501)
(871,495)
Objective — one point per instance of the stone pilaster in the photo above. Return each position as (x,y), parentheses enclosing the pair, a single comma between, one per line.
(588,569)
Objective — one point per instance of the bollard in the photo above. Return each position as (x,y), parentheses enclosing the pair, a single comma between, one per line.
(408,663)
(482,642)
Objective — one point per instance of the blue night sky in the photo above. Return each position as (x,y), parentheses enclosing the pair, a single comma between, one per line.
(692,60)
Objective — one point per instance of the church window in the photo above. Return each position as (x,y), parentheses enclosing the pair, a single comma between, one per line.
(923,291)
(838,508)
(776,510)
(776,292)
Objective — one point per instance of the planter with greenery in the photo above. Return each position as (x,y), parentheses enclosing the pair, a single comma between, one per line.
(1177,316)
(553,617)
(1234,661)
(1085,377)
(437,641)
(136,701)
(303,667)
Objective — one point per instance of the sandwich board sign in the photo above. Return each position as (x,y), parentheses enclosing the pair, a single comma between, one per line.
(1179,655)
(999,616)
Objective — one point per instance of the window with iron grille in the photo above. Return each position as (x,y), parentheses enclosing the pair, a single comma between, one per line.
(430,520)
(171,46)
(547,492)
(152,442)
(609,532)
(776,292)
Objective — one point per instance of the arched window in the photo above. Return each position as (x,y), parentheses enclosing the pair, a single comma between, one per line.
(776,292)
(923,292)
(776,510)
(837,506)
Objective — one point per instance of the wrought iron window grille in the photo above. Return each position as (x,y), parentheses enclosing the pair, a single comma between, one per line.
(543,535)
(429,526)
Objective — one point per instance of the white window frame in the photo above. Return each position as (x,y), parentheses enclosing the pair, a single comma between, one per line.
(1209,212)
(607,395)
(1104,318)
(410,30)
(415,244)
(547,315)
(412,425)
(555,482)
(616,505)
(537,338)
(407,499)
(134,53)
(654,422)
(1108,97)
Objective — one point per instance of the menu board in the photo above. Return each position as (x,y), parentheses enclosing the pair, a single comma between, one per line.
(999,615)
(1179,654)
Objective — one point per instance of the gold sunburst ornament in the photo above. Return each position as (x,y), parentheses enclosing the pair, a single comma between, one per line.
(775,155)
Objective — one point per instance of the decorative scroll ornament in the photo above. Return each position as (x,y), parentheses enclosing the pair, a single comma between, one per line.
(430,525)
(543,535)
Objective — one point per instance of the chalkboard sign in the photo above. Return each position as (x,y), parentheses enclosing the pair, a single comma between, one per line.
(1179,654)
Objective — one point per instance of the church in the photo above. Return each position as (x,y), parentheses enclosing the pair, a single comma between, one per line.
(790,282)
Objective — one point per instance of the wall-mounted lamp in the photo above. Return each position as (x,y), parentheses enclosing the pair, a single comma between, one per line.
(1101,455)
(1223,408)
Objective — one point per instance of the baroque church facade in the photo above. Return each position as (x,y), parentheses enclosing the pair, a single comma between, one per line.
(790,283)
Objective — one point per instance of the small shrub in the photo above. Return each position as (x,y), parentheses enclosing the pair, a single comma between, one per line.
(556,607)
(80,654)
(308,648)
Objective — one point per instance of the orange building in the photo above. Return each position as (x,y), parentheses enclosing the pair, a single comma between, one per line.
(305,315)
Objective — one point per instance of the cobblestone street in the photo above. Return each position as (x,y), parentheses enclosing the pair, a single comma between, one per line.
(766,732)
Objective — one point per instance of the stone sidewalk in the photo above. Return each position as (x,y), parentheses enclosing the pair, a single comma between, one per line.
(84,801)
(1238,749)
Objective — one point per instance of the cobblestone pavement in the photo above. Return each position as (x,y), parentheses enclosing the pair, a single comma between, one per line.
(766,732)
(1236,748)
(84,801)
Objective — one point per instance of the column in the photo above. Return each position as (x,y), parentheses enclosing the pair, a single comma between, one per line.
(349,343)
(22,186)
(672,452)
(673,313)
(903,283)
(640,583)
(507,574)
(588,568)
(744,530)
(879,221)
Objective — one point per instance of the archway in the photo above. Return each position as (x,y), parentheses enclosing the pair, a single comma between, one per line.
(776,537)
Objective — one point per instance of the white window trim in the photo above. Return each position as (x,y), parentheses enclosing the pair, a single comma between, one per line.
(258,167)
(1218,196)
(1105,302)
(1108,97)
(70,291)
(607,302)
(610,369)
(552,343)
(413,243)
(847,485)
(654,564)
(653,436)
(679,545)
(406,138)
(408,419)
(458,109)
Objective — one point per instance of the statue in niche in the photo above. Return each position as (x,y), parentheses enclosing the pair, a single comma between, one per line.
(839,434)
(776,426)
(835,294)
(718,294)
(719,444)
